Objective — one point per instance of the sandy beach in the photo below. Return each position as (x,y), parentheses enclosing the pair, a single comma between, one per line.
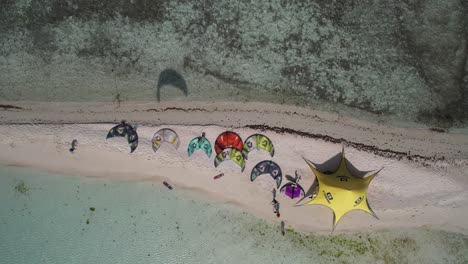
(386,82)
(422,184)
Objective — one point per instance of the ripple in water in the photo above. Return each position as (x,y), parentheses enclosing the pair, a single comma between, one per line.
(57,219)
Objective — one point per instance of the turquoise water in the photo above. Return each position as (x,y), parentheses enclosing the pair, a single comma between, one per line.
(58,219)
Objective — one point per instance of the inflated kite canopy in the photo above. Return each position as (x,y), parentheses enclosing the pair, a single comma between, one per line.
(341,191)
(127,131)
(267,167)
(230,154)
(165,135)
(258,141)
(200,143)
(228,139)
(292,190)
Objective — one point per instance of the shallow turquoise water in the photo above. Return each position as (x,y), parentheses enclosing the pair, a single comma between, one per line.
(49,219)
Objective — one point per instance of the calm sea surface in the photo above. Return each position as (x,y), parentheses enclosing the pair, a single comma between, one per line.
(59,219)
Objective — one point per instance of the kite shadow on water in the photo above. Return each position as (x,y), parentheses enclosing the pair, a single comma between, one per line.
(173,78)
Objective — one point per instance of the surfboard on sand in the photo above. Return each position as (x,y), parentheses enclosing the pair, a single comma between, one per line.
(218,176)
(167,185)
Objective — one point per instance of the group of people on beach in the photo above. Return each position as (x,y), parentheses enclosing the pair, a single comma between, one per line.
(276,205)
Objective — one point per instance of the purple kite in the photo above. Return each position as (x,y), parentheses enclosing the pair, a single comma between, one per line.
(292,189)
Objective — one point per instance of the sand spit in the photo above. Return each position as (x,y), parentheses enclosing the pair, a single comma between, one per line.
(422,184)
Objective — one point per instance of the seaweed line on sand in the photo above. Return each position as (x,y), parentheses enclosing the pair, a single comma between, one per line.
(386,153)
(7,107)
(220,110)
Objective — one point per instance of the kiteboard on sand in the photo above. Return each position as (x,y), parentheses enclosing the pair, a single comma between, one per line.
(218,176)
(167,185)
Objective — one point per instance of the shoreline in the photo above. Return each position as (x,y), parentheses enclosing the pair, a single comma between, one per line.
(406,194)
(202,195)
(416,142)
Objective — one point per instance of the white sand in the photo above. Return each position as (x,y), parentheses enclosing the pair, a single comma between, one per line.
(424,192)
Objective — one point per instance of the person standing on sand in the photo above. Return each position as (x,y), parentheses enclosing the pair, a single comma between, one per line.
(275,207)
(297,178)
(283,232)
(73,144)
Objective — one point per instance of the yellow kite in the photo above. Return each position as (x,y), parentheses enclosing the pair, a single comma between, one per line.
(341,191)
